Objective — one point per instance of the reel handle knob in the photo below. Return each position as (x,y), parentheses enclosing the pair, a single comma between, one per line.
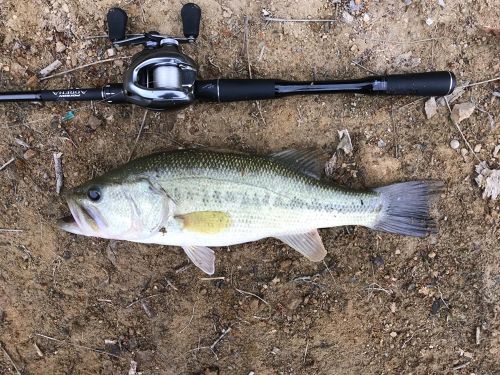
(191,17)
(117,24)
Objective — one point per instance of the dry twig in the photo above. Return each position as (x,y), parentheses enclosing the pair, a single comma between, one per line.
(8,230)
(144,298)
(272,19)
(305,352)
(59,171)
(5,165)
(138,134)
(460,131)
(245,46)
(373,287)
(212,347)
(188,323)
(212,278)
(78,345)
(329,271)
(10,359)
(83,67)
(259,298)
(147,309)
(214,344)
(459,367)
(481,82)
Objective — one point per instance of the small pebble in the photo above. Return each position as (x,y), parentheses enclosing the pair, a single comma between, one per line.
(454,144)
(432,255)
(496,151)
(462,111)
(347,17)
(429,21)
(60,47)
(393,307)
(378,261)
(478,148)
(464,152)
(381,143)
(393,334)
(430,107)
(111,52)
(436,306)
(285,265)
(29,153)
(50,68)
(94,122)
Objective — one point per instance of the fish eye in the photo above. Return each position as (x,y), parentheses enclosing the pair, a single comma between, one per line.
(94,194)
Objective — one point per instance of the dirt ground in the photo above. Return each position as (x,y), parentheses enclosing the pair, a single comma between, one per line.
(380,304)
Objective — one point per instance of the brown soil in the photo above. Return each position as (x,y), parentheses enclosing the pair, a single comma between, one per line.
(381,304)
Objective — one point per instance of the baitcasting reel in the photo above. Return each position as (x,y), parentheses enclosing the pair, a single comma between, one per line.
(161,77)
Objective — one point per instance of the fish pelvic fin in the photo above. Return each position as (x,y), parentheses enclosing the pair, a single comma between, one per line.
(405,208)
(308,244)
(202,257)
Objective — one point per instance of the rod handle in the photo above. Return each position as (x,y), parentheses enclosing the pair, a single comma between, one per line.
(233,90)
(420,84)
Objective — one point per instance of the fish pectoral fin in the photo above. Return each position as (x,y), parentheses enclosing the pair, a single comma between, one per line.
(202,257)
(308,244)
(208,222)
(308,162)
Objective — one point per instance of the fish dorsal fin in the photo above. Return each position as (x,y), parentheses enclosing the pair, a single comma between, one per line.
(207,222)
(308,244)
(308,162)
(202,257)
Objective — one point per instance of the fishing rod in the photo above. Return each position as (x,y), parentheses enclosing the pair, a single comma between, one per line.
(161,77)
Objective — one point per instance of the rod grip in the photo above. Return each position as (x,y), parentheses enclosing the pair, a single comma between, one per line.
(233,90)
(421,84)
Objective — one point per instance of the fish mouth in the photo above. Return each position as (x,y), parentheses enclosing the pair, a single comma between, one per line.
(68,224)
(83,220)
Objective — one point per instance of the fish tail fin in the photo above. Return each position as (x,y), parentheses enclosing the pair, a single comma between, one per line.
(405,208)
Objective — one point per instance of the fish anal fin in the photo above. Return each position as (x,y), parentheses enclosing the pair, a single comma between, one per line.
(207,222)
(308,244)
(202,257)
(308,162)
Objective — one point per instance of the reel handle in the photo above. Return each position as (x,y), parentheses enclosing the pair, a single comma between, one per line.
(191,18)
(117,24)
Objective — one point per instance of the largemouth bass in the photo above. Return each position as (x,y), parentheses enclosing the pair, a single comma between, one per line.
(199,198)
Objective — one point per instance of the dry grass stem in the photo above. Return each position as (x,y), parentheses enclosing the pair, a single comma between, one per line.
(84,66)
(188,323)
(273,19)
(460,131)
(10,359)
(78,345)
(5,165)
